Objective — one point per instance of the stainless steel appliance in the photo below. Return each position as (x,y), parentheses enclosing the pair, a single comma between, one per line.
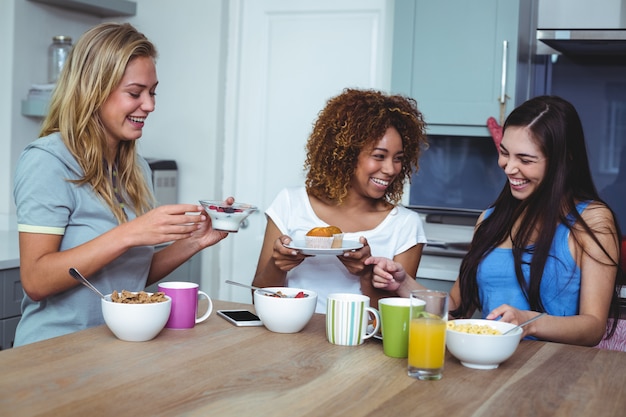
(165,180)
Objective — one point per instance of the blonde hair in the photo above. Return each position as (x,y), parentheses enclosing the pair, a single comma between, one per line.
(94,68)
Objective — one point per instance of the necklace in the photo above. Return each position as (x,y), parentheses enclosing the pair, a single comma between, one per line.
(116,191)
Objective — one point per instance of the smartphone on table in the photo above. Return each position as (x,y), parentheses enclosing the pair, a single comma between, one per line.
(240,317)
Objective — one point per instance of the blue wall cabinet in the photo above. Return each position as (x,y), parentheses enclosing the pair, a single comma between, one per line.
(453,57)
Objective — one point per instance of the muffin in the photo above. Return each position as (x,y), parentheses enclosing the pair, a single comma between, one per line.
(337,236)
(324,237)
(318,238)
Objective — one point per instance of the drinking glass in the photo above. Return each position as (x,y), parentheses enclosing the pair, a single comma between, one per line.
(427,334)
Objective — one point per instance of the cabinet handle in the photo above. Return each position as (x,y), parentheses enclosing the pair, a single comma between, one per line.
(503,97)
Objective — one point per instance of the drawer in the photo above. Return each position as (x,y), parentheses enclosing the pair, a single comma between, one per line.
(7,332)
(12,294)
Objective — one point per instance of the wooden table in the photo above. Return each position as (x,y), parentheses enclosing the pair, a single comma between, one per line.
(217,369)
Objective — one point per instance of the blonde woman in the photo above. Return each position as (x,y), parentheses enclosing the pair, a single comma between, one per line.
(84,196)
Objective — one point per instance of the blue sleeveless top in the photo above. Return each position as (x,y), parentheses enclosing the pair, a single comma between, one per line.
(560,285)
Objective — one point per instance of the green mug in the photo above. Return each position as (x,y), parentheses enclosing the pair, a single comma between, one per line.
(394,317)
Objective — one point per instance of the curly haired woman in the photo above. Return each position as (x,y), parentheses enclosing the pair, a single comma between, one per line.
(364,146)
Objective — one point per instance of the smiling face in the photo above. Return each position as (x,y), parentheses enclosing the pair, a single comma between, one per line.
(522,160)
(124,112)
(377,167)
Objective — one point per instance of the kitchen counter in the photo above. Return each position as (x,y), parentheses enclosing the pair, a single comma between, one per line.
(9,249)
(217,369)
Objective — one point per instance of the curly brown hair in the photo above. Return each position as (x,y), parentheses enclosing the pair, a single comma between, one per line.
(351,122)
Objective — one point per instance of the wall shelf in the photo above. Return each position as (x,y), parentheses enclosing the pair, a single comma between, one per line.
(34,108)
(106,8)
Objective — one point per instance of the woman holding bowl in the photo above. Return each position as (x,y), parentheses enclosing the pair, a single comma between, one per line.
(84,196)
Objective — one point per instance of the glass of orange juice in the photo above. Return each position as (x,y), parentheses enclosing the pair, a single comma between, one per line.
(427,333)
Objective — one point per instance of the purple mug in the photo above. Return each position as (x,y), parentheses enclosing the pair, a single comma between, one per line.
(183,314)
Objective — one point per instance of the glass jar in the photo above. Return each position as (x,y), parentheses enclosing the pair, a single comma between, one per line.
(58,52)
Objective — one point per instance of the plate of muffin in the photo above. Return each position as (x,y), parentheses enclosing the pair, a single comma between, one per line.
(324,240)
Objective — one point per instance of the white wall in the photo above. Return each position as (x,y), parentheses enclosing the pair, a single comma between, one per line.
(186,126)
(186,123)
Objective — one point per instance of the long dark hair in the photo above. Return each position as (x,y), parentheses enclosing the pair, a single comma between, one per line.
(556,128)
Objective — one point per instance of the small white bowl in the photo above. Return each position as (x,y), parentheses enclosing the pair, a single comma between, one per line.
(285,315)
(480,351)
(227,218)
(136,322)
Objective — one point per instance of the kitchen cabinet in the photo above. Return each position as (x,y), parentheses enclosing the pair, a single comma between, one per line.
(10,305)
(453,56)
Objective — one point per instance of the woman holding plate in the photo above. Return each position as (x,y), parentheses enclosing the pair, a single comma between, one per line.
(363,147)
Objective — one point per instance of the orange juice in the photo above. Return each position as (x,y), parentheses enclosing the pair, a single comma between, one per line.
(427,343)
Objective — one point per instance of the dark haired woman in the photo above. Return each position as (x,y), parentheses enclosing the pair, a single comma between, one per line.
(547,244)
(363,147)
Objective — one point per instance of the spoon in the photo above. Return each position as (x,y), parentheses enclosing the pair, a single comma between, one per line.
(252,287)
(78,277)
(525,323)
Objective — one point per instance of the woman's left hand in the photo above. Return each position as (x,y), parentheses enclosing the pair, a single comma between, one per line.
(355,260)
(206,236)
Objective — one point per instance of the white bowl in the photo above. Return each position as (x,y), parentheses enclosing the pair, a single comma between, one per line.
(227,218)
(136,322)
(483,351)
(285,315)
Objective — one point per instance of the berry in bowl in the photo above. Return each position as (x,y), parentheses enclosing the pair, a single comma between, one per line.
(227,218)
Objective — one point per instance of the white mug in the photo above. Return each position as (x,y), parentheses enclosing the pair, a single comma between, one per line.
(347,318)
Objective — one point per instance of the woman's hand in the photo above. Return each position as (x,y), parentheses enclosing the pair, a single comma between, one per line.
(286,258)
(163,224)
(354,261)
(512,315)
(205,235)
(387,274)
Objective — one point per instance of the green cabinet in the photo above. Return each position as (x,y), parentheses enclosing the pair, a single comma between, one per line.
(459,59)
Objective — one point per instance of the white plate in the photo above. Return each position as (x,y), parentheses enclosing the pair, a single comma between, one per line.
(346,246)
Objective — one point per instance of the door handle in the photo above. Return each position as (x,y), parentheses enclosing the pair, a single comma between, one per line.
(503,96)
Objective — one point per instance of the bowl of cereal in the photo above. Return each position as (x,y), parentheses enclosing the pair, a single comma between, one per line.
(289,313)
(481,344)
(136,316)
(227,218)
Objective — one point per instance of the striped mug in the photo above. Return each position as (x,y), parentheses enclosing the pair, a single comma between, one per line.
(347,319)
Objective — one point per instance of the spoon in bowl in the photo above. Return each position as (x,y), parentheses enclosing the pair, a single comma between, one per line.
(252,287)
(78,277)
(524,323)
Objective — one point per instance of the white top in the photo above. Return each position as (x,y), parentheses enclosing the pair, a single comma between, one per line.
(292,213)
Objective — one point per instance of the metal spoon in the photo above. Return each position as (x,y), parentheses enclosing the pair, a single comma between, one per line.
(524,324)
(78,277)
(252,287)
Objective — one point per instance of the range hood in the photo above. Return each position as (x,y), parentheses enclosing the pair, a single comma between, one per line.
(581,27)
(586,42)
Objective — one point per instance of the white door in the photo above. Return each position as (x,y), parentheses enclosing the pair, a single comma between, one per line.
(285,59)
